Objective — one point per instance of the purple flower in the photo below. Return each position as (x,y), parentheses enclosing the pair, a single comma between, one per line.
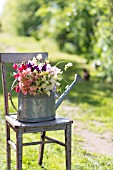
(32,67)
(29,65)
(44,67)
(37,68)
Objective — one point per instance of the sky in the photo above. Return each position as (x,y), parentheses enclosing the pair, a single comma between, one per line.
(2,2)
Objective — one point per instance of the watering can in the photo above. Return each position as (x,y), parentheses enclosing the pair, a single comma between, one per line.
(40,107)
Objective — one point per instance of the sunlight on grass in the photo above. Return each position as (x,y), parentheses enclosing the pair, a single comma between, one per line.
(88,102)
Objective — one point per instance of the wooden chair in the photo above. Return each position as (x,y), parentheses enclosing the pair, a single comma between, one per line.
(60,123)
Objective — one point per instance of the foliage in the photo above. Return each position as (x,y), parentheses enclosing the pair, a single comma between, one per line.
(20,16)
(102,47)
(77,30)
(81,27)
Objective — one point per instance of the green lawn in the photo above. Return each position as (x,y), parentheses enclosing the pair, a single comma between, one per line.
(92,99)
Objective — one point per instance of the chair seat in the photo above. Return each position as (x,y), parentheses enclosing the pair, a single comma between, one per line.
(57,124)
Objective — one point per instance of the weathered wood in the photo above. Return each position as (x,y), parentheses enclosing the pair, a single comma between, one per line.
(4,84)
(59,120)
(41,151)
(19,57)
(60,123)
(14,123)
(19,150)
(55,141)
(8,147)
(37,143)
(50,140)
(20,128)
(12,144)
(68,147)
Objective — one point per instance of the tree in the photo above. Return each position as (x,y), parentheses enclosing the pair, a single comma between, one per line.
(20,16)
(81,27)
(103,47)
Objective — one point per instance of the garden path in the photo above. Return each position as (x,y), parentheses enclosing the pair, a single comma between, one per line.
(91,142)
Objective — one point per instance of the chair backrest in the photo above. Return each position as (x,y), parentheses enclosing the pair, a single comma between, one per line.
(14,58)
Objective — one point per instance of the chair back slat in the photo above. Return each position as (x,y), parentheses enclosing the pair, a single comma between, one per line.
(19,57)
(4,84)
(14,58)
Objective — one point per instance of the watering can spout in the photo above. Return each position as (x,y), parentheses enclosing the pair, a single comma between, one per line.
(62,97)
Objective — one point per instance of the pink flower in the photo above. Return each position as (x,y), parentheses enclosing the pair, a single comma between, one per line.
(48,67)
(24,66)
(24,91)
(17,89)
(16,75)
(33,88)
(15,66)
(37,76)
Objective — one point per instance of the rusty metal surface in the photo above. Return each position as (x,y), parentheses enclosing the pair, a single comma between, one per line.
(36,108)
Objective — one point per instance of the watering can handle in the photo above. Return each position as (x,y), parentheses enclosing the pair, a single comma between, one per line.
(61,98)
(10,94)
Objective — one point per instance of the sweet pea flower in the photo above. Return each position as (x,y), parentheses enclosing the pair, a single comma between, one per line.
(24,91)
(37,76)
(47,92)
(17,89)
(16,75)
(33,61)
(15,66)
(39,57)
(68,65)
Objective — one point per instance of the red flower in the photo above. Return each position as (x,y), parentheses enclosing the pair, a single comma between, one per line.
(16,75)
(20,69)
(15,66)
(17,89)
(24,66)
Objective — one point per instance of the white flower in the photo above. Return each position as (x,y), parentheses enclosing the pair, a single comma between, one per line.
(57,84)
(44,85)
(44,78)
(68,65)
(33,61)
(49,87)
(47,92)
(52,81)
(39,57)
(59,78)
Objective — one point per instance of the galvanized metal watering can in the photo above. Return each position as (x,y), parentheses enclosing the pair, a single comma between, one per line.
(40,107)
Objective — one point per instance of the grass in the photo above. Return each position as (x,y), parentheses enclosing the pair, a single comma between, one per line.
(92,99)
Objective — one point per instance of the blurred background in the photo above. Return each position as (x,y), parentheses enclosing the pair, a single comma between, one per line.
(77,26)
(77,31)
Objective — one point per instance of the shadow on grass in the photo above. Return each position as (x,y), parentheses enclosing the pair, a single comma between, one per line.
(91,92)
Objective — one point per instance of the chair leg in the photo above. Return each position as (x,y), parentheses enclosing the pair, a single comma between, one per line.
(8,147)
(18,150)
(68,146)
(41,152)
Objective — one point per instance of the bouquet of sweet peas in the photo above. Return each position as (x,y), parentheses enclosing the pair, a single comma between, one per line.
(37,76)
